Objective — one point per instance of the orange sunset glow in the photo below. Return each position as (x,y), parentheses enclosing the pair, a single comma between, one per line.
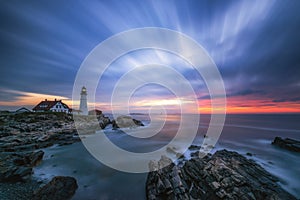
(235,105)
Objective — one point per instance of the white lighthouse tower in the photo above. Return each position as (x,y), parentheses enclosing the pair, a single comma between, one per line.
(83,102)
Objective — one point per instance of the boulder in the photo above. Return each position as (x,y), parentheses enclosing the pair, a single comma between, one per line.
(287,143)
(59,188)
(124,121)
(224,175)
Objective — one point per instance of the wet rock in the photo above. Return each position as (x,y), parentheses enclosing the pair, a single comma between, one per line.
(287,143)
(27,159)
(60,187)
(15,167)
(194,147)
(224,175)
(35,158)
(103,121)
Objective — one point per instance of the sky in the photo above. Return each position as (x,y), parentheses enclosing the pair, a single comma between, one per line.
(255,45)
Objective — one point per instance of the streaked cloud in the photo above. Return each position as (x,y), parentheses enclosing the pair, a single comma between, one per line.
(255,45)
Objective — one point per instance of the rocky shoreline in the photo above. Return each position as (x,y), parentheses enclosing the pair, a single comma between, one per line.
(31,131)
(223,175)
(21,138)
(23,135)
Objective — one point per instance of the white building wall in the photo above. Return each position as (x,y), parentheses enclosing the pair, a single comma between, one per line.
(83,105)
(58,107)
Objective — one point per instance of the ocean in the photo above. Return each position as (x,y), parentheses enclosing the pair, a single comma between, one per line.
(242,133)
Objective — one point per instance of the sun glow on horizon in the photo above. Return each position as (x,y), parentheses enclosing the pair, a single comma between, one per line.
(235,105)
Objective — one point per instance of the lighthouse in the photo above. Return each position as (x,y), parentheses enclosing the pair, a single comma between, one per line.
(83,102)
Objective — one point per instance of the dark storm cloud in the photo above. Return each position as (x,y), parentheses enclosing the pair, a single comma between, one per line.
(245,93)
(42,46)
(287,100)
(9,96)
(271,53)
(256,45)
(239,93)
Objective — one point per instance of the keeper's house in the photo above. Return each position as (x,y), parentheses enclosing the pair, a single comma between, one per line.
(52,106)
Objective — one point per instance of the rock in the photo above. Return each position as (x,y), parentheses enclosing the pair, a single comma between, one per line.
(15,174)
(60,187)
(164,161)
(35,158)
(29,159)
(137,122)
(194,147)
(103,120)
(15,167)
(172,150)
(95,121)
(31,131)
(287,143)
(18,191)
(87,124)
(224,175)
(153,166)
(126,122)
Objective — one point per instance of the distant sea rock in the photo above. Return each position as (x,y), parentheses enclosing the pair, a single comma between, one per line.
(287,143)
(60,187)
(124,121)
(224,175)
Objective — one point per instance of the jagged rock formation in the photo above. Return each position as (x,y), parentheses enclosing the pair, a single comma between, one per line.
(224,175)
(287,143)
(60,187)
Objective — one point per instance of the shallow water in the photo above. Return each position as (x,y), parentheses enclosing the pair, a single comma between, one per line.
(242,133)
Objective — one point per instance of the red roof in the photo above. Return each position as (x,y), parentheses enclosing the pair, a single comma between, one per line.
(46,105)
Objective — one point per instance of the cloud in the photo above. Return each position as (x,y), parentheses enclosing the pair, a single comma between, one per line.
(255,45)
(19,98)
(246,92)
(297,99)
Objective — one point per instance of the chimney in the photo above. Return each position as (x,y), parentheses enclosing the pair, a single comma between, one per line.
(45,99)
(54,99)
